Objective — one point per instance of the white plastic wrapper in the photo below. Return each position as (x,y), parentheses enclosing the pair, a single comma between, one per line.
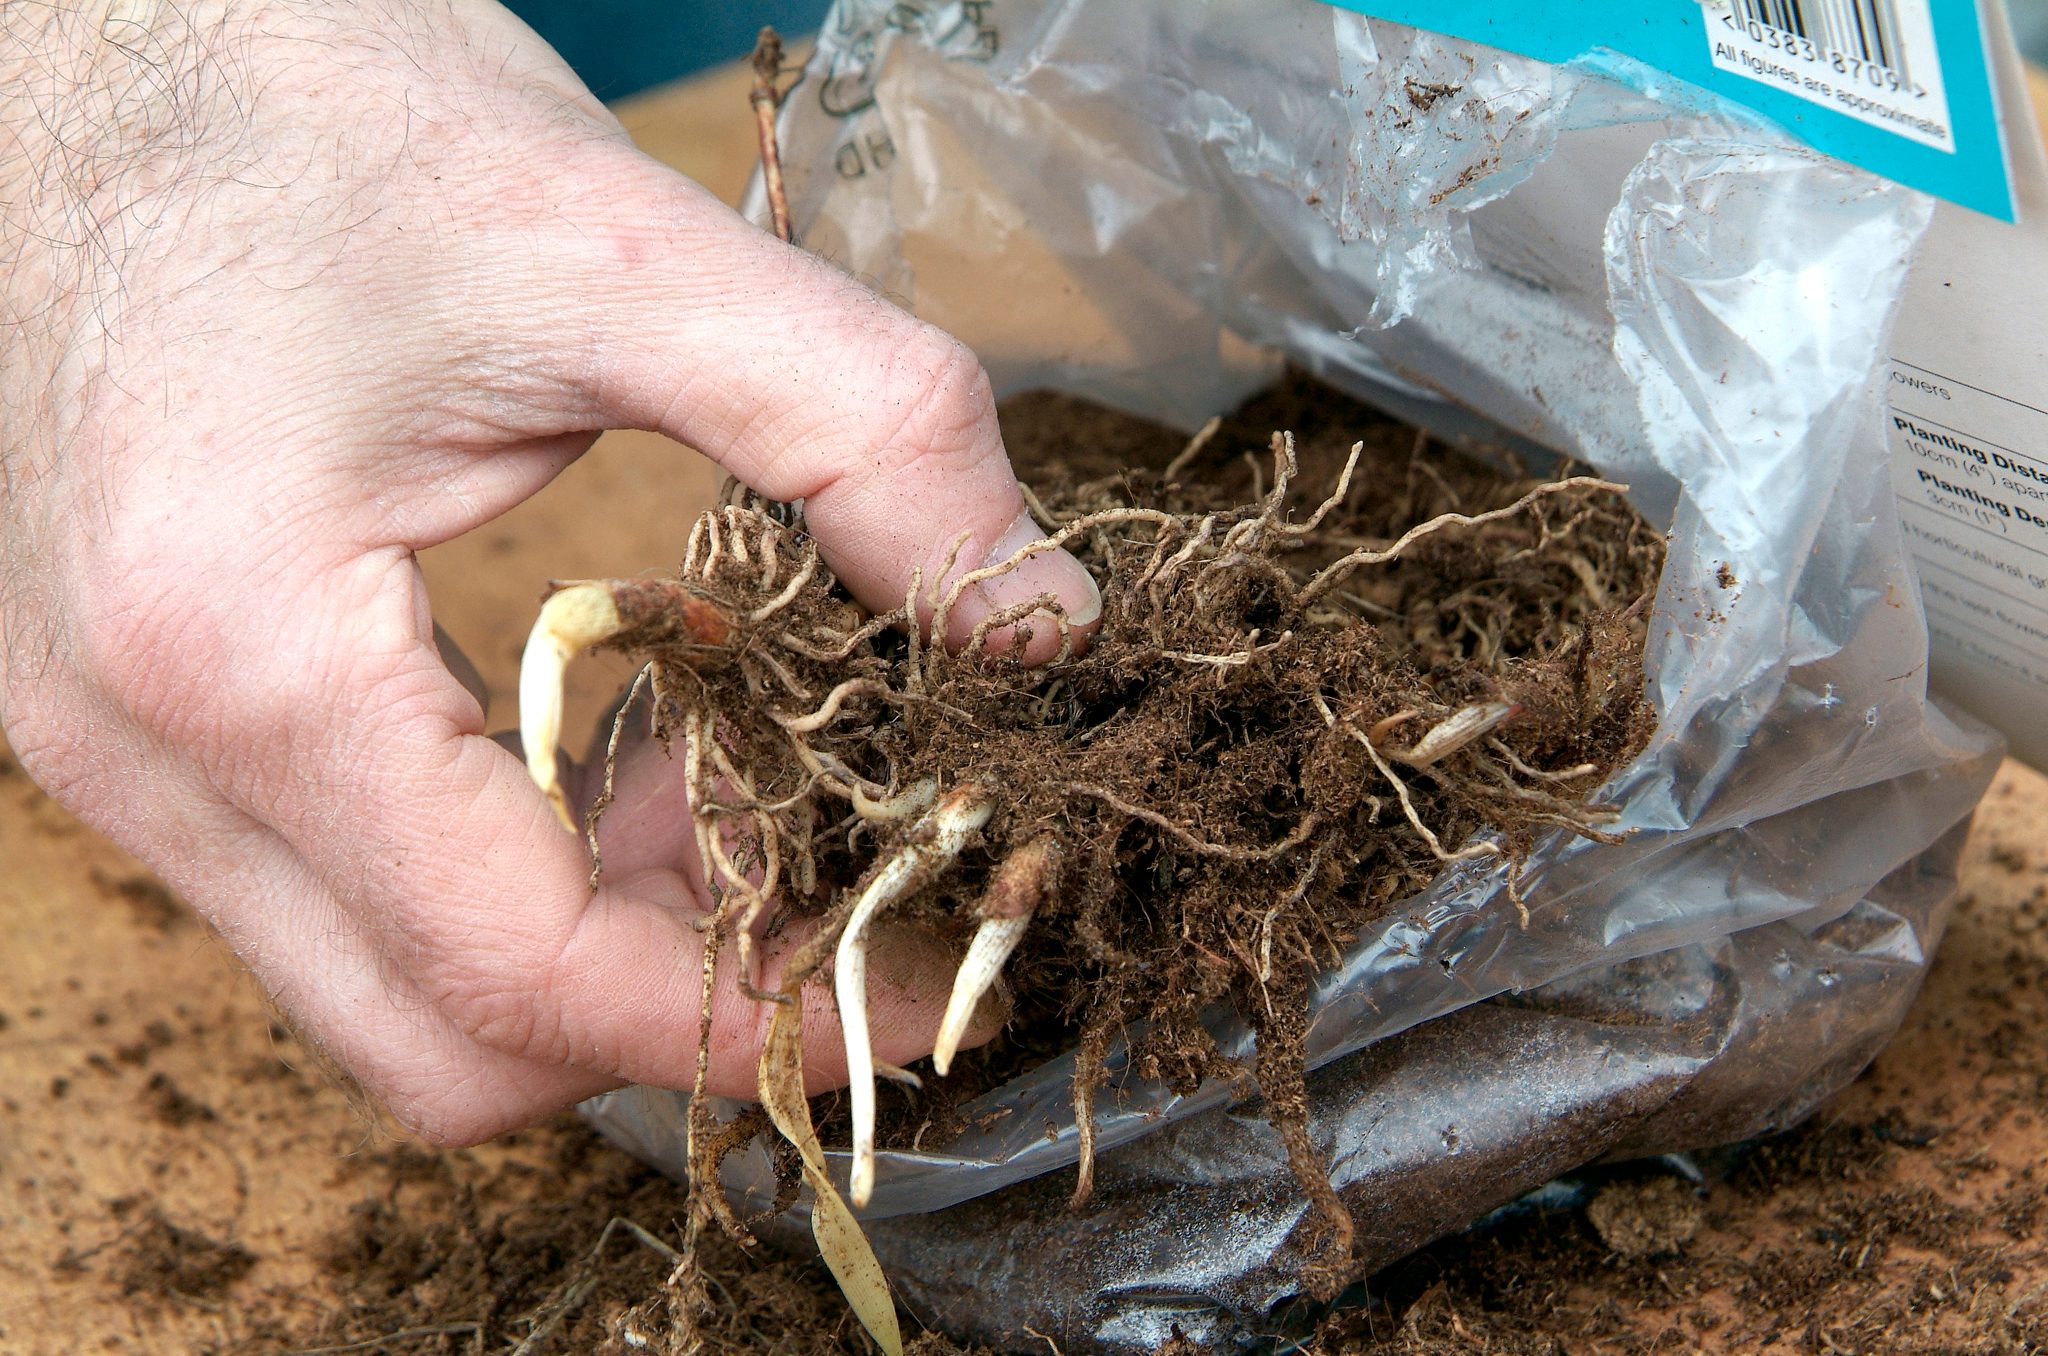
(1155,203)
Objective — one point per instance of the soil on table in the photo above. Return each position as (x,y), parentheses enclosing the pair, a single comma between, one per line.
(181,1176)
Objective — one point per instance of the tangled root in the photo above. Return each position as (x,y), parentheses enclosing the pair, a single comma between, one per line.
(1295,713)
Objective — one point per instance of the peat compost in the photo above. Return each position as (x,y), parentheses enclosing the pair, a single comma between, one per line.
(1334,660)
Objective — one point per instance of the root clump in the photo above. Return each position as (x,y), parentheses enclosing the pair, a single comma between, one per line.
(1324,674)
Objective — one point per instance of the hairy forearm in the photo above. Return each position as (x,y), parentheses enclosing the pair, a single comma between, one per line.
(105,106)
(78,73)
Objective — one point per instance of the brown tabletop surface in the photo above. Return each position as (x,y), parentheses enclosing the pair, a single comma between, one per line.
(141,1076)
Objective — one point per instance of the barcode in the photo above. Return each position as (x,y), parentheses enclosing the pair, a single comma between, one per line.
(1866,29)
(1871,60)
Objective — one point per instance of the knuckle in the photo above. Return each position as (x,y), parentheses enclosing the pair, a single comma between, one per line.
(444,1108)
(434,1092)
(503,1004)
(907,403)
(945,403)
(36,736)
(438,1126)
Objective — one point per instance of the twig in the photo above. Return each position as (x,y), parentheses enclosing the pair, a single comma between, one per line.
(402,1335)
(766,98)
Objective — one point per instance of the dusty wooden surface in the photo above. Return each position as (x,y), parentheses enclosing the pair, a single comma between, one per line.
(141,1076)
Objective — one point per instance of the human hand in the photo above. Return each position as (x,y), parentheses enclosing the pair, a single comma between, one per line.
(293,292)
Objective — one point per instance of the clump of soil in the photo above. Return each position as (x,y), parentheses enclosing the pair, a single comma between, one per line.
(1815,1241)
(1818,1237)
(1334,660)
(1650,1218)
(163,1260)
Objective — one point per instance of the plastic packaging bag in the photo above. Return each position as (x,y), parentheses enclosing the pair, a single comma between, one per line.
(1154,202)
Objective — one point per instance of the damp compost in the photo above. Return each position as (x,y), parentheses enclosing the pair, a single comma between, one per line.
(1335,659)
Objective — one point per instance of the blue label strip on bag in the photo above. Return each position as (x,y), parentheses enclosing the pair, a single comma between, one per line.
(1900,87)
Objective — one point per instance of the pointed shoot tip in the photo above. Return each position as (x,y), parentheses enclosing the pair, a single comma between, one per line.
(572,619)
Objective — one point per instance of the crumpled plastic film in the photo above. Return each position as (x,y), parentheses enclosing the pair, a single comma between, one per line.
(1426,1131)
(1154,202)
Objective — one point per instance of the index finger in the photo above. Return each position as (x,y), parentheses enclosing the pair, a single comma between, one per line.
(805,385)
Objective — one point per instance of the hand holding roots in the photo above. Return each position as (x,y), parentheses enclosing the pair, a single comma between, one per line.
(1294,715)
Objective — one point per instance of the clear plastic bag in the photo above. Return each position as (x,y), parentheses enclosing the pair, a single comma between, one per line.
(1154,203)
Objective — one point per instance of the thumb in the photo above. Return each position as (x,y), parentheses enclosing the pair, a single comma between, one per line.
(806,385)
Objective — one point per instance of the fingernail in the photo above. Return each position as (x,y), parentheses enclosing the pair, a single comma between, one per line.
(1051,571)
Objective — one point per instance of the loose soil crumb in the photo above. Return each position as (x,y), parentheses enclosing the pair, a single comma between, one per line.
(462,1262)
(170,1104)
(154,905)
(155,1036)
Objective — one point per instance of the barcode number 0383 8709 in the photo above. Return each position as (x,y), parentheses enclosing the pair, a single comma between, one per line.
(1873,60)
(1863,40)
